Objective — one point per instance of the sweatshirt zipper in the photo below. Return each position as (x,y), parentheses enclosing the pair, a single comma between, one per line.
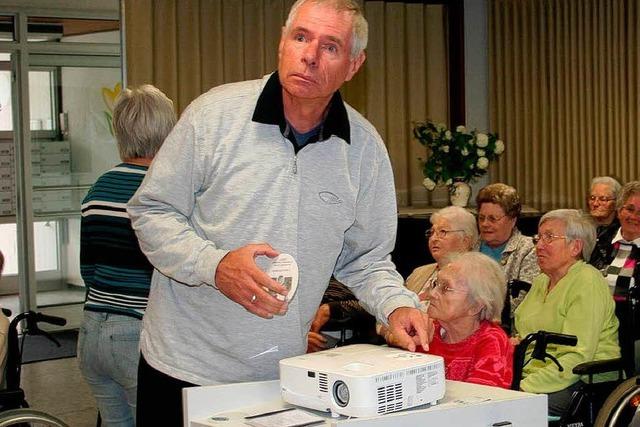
(295,164)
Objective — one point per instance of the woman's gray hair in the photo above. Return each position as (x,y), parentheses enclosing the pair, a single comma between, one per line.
(631,188)
(578,226)
(612,183)
(360,26)
(461,219)
(142,119)
(485,279)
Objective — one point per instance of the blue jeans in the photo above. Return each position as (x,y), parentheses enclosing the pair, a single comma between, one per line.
(108,354)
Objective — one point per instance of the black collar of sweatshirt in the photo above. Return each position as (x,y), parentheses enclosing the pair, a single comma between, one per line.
(270,110)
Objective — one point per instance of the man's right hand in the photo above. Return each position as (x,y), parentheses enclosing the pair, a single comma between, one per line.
(240,279)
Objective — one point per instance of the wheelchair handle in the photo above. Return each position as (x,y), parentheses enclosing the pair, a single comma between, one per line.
(561,339)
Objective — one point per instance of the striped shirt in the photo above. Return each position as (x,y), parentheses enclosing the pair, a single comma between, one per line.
(115,271)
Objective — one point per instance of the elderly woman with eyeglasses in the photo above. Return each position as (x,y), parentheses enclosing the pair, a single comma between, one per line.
(498,210)
(622,264)
(602,207)
(465,305)
(453,229)
(569,297)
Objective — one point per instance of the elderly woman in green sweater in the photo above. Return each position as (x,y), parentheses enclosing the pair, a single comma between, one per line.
(570,297)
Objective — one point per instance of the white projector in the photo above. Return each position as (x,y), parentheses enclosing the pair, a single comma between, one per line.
(362,380)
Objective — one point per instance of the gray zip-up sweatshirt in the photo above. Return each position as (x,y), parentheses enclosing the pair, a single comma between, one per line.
(223,180)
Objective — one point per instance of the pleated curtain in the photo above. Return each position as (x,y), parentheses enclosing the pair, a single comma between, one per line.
(564,95)
(186,47)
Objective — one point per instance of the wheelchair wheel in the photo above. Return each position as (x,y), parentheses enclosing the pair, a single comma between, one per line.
(621,405)
(29,417)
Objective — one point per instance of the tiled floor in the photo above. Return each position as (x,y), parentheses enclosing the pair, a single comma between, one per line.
(57,387)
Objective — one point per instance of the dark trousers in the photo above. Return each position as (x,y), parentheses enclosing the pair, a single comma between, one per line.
(159,398)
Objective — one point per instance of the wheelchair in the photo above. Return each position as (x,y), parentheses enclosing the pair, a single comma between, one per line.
(14,409)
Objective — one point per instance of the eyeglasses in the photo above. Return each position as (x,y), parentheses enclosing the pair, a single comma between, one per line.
(601,199)
(444,289)
(442,234)
(631,210)
(490,218)
(547,238)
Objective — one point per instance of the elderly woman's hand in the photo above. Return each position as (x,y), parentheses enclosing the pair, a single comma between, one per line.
(315,342)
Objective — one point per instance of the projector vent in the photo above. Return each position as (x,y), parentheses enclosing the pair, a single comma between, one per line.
(323,383)
(392,407)
(389,398)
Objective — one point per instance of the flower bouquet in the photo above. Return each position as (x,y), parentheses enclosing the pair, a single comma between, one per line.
(458,155)
(455,157)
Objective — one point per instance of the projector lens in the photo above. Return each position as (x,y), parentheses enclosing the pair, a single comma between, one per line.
(341,393)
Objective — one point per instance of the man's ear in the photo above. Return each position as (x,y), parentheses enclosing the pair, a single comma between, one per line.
(281,44)
(355,65)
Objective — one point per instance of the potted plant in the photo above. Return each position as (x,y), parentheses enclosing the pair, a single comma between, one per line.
(455,157)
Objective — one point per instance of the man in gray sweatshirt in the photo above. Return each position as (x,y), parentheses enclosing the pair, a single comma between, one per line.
(255,169)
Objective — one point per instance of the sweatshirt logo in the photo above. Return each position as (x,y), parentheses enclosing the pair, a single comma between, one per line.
(329,198)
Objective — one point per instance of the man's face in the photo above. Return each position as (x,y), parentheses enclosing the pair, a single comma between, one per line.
(315,53)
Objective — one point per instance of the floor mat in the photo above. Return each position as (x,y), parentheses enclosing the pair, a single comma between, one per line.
(38,348)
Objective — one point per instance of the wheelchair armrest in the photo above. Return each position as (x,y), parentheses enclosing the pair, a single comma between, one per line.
(599,367)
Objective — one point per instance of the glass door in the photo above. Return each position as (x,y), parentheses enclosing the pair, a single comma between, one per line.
(56,100)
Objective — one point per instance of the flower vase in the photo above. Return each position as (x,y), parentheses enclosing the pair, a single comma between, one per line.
(459,193)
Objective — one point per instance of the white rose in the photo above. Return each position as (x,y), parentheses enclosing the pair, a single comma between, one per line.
(483,163)
(461,129)
(444,148)
(448,182)
(499,147)
(464,152)
(447,135)
(440,127)
(429,184)
(482,140)
(480,152)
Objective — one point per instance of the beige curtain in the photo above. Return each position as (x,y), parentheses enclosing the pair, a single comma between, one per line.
(186,47)
(564,95)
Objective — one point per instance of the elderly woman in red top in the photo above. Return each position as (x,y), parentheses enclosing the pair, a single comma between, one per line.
(465,305)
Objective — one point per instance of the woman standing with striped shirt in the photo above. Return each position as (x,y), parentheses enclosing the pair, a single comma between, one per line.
(115,271)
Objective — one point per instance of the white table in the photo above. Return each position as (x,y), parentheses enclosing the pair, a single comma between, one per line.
(463,405)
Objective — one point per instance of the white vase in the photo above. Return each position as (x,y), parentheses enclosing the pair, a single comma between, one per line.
(459,194)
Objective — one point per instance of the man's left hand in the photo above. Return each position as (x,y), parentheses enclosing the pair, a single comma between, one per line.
(410,328)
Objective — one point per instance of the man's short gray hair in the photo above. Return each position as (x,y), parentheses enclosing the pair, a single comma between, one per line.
(631,188)
(612,183)
(461,219)
(142,119)
(578,226)
(485,279)
(360,34)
